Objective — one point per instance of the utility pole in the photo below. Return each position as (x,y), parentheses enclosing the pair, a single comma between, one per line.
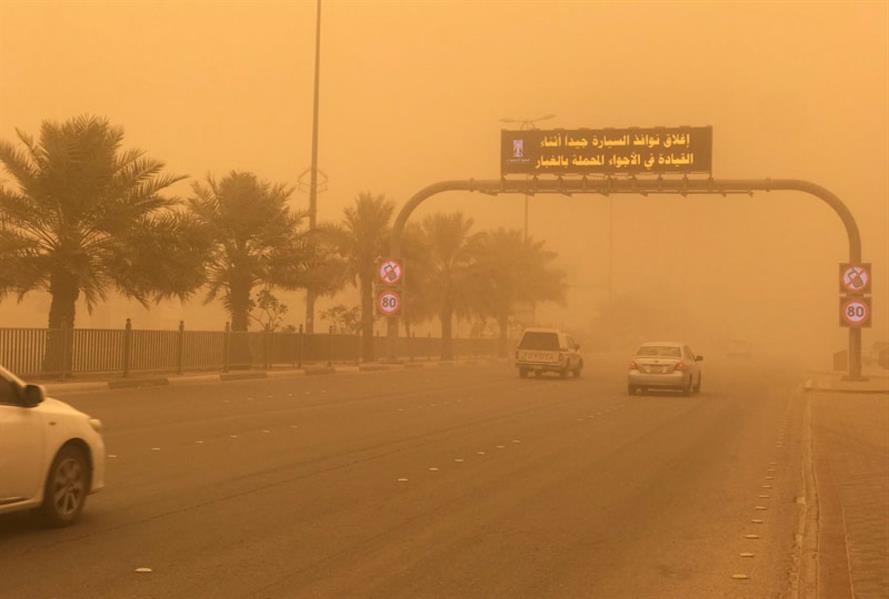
(313,182)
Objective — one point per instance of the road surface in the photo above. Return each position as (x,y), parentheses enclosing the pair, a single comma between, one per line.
(461,481)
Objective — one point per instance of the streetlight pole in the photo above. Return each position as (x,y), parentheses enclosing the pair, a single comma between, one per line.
(524,125)
(313,183)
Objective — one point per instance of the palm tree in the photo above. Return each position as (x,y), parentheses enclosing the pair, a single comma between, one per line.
(87,218)
(418,303)
(511,270)
(361,239)
(254,238)
(451,255)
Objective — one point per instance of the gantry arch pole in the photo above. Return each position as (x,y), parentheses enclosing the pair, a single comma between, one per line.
(609,186)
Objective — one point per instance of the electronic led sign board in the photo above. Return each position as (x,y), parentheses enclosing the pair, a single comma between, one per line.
(630,151)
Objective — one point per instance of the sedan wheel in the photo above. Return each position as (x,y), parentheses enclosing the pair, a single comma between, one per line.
(67,486)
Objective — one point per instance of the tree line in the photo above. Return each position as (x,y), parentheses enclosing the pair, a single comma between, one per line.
(88,217)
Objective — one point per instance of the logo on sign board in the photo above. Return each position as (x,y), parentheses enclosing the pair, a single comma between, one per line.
(855,278)
(390,272)
(518,148)
(855,312)
(389,302)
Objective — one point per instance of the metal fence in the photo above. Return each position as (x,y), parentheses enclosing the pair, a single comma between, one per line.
(61,353)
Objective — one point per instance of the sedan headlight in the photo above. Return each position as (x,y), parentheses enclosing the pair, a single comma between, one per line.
(96,424)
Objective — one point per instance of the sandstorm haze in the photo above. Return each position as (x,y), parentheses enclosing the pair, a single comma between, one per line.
(412,93)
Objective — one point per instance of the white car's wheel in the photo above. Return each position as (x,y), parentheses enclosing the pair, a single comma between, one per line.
(66,488)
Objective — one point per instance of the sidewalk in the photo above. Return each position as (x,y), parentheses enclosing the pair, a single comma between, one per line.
(850,447)
(99,382)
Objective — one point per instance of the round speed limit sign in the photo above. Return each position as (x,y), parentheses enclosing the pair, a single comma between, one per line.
(389,303)
(855,312)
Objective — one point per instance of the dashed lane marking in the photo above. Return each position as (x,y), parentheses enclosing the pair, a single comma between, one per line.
(516,441)
(747,554)
(480,453)
(740,577)
(198,442)
(155,449)
(402,480)
(761,508)
(233,436)
(501,446)
(751,536)
(757,521)
(111,456)
(143,570)
(433,469)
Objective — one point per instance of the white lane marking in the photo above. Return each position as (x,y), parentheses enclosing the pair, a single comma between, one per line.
(769,478)
(199,442)
(233,436)
(740,577)
(765,486)
(155,449)
(265,430)
(757,521)
(764,496)
(761,508)
(516,441)
(501,446)
(433,469)
(751,536)
(402,480)
(111,456)
(143,570)
(458,460)
(746,554)
(292,426)
(773,463)
(290,395)
(480,453)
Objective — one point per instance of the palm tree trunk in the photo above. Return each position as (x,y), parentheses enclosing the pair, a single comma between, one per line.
(367,318)
(503,321)
(60,338)
(239,299)
(447,340)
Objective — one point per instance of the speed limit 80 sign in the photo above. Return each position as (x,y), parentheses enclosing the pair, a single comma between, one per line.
(389,302)
(855,312)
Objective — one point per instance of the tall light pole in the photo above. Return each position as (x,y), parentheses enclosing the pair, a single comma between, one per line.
(313,183)
(524,125)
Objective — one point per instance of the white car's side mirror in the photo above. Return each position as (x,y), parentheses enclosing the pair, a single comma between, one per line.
(32,395)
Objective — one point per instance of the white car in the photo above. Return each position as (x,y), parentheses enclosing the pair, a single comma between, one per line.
(51,455)
(548,350)
(665,365)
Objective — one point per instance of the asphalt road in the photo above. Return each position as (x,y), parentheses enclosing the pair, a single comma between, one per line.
(462,481)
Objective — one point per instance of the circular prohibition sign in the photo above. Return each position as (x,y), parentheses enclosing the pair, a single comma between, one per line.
(855,311)
(389,302)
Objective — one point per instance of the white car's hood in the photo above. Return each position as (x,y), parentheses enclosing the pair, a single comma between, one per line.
(54,406)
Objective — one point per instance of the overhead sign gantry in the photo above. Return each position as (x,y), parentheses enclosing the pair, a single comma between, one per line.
(552,165)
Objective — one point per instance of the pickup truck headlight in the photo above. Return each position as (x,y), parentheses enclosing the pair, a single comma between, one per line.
(96,424)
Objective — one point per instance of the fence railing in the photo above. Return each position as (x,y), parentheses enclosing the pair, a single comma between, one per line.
(67,352)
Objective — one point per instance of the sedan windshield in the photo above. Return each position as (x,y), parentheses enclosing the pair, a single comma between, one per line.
(660,351)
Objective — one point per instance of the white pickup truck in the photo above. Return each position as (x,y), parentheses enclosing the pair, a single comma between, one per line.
(548,350)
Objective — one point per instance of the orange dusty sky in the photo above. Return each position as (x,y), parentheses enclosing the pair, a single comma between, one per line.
(411,93)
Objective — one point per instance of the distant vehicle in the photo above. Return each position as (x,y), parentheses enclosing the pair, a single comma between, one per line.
(665,365)
(740,349)
(548,350)
(51,455)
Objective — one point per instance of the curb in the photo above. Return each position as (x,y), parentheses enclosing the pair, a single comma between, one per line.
(320,370)
(179,380)
(814,387)
(143,382)
(241,376)
(804,578)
